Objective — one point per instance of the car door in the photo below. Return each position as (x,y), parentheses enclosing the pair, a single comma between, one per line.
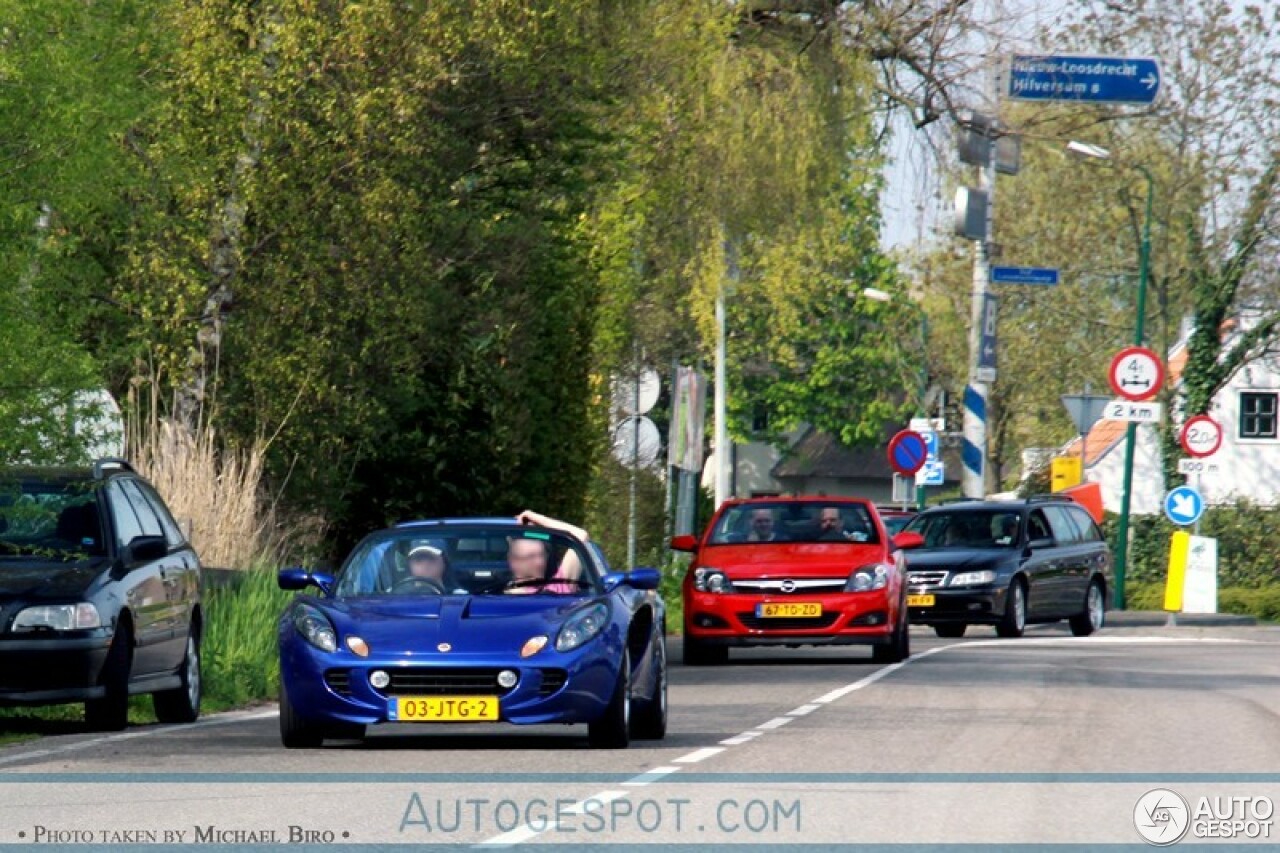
(185,566)
(1095,558)
(1043,567)
(143,591)
(1070,554)
(172,624)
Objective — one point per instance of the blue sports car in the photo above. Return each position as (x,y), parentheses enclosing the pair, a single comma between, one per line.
(472,620)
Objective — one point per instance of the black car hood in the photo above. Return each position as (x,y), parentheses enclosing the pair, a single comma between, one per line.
(47,579)
(958,558)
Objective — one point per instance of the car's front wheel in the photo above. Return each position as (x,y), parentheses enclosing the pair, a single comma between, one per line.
(110,713)
(295,731)
(613,729)
(182,703)
(1084,624)
(649,718)
(703,654)
(899,647)
(1014,621)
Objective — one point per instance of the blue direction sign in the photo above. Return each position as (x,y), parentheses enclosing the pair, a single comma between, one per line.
(987,346)
(1099,79)
(1024,275)
(934,473)
(1183,505)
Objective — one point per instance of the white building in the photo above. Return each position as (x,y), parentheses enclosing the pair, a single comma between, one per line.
(1246,465)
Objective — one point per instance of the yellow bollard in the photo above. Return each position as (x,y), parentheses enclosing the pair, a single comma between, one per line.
(1179,547)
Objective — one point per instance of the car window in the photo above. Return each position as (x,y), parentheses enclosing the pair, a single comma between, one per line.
(1038,526)
(172,532)
(146,515)
(794,521)
(1089,531)
(56,520)
(970,528)
(497,561)
(1064,526)
(123,515)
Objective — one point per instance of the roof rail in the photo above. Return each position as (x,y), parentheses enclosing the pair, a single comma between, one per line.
(101,466)
(1052,498)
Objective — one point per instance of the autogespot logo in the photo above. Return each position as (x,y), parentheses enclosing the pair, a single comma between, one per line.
(1162,817)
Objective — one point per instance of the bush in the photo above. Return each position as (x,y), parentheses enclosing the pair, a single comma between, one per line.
(240,656)
(1262,604)
(1248,545)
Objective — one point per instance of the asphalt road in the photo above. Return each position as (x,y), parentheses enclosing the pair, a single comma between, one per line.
(1044,739)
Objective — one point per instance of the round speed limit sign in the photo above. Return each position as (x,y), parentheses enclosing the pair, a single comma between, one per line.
(1201,436)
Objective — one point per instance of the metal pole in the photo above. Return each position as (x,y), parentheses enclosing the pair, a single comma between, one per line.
(635,464)
(973,448)
(722,449)
(1122,531)
(924,392)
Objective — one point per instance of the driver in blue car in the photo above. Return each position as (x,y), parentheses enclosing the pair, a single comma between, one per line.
(528,559)
(428,563)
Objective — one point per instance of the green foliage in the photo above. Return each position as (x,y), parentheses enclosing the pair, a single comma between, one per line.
(1262,603)
(241,662)
(1248,542)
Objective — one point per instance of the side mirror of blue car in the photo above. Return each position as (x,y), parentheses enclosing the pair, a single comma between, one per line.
(644,578)
(298,578)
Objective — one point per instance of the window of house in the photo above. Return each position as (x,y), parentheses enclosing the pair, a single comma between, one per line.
(1258,414)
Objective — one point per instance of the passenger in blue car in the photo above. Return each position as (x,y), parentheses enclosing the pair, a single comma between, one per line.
(528,559)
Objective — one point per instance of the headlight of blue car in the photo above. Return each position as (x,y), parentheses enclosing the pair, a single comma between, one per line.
(581,627)
(315,628)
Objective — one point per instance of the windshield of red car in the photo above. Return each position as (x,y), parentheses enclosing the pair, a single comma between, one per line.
(440,560)
(794,521)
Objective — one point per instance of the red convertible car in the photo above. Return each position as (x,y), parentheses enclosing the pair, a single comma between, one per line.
(793,572)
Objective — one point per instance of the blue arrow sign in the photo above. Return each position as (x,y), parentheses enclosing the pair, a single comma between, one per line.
(1183,505)
(931,445)
(987,347)
(1024,275)
(1099,79)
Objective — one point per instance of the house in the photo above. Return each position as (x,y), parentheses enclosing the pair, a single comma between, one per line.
(1246,465)
(815,463)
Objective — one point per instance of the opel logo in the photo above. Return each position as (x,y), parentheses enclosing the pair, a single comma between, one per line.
(444,647)
(788,585)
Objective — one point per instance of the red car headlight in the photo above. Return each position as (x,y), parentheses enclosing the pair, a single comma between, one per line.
(711,580)
(868,578)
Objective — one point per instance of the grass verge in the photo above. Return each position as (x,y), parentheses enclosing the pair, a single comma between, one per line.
(1262,603)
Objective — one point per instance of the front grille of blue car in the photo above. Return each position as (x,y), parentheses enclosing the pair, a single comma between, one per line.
(339,681)
(552,680)
(444,681)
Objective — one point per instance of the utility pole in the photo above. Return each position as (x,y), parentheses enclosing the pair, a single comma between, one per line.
(723,452)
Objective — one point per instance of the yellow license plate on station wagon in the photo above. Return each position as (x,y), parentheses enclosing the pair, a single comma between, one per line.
(443,709)
(919,600)
(789,610)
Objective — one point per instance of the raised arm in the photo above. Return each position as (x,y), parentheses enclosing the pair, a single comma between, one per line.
(531,517)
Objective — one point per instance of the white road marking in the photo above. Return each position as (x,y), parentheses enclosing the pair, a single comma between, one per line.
(698,755)
(738,740)
(775,723)
(650,776)
(216,720)
(521,834)
(802,710)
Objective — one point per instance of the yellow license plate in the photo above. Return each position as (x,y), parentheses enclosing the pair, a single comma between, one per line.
(444,709)
(919,600)
(789,610)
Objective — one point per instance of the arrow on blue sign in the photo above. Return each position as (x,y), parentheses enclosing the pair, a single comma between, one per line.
(1024,275)
(1099,79)
(1184,505)
(987,349)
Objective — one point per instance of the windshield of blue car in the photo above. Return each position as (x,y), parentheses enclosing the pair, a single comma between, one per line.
(446,560)
(794,521)
(54,521)
(973,528)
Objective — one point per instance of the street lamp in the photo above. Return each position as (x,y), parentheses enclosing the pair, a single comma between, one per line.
(1088,151)
(878,295)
